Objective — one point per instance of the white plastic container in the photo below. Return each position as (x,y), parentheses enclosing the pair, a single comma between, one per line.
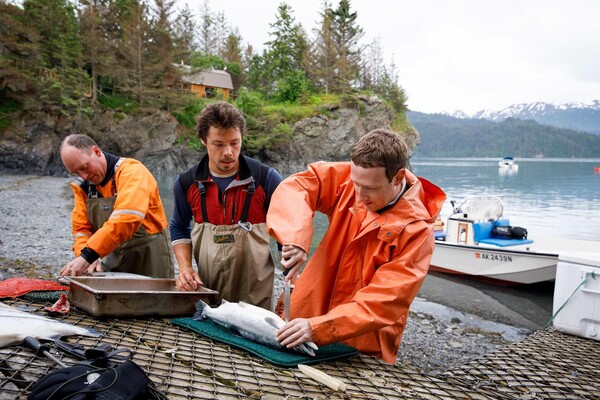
(580,315)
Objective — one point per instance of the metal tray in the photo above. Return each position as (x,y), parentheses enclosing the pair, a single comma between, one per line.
(133,297)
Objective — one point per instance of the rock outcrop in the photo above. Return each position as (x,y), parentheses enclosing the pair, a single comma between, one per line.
(31,143)
(331,137)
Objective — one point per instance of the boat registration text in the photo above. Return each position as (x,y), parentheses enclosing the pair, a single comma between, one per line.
(493,257)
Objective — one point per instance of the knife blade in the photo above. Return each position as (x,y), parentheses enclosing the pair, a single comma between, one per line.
(287,291)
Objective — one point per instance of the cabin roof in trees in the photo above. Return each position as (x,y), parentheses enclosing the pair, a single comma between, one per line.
(213,78)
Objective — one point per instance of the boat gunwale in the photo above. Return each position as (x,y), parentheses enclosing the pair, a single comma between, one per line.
(499,249)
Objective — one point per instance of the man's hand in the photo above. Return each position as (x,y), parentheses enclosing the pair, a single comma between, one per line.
(188,280)
(292,259)
(294,333)
(75,267)
(96,266)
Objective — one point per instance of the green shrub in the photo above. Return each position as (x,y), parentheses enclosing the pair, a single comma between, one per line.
(191,141)
(186,115)
(283,130)
(119,101)
(401,124)
(290,112)
(325,99)
(249,102)
(4,123)
(349,101)
(294,87)
(8,106)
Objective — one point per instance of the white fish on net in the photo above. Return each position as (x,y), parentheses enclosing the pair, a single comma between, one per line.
(251,322)
(16,325)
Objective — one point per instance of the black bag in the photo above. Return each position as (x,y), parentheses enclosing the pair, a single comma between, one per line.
(85,381)
(509,232)
(518,232)
(106,374)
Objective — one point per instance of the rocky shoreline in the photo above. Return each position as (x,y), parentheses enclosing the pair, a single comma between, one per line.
(36,242)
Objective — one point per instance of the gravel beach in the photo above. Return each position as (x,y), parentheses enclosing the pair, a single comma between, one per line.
(35,242)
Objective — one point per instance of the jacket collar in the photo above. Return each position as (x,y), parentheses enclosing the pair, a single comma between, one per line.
(111,161)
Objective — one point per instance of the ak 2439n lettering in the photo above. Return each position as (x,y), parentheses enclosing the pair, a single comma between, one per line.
(493,257)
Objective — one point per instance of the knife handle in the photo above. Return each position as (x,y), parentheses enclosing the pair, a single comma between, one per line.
(285,270)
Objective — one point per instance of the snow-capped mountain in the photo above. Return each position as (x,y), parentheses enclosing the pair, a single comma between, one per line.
(578,116)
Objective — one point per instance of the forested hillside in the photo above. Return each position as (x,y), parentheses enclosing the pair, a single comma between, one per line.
(75,58)
(444,136)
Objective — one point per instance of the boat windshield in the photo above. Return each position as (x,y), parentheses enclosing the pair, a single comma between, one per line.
(482,208)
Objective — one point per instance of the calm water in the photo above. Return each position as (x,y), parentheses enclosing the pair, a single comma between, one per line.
(550,197)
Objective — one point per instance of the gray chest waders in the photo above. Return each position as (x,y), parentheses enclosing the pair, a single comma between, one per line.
(143,254)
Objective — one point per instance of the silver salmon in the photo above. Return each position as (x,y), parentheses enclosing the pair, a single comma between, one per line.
(16,325)
(251,322)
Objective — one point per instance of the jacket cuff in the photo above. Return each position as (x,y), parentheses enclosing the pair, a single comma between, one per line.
(322,332)
(89,255)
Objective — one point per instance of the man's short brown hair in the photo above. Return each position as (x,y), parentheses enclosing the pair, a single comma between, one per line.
(220,115)
(381,148)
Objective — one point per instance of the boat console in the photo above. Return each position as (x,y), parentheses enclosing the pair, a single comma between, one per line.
(473,221)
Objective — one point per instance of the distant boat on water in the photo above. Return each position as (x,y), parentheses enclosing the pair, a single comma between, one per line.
(508,163)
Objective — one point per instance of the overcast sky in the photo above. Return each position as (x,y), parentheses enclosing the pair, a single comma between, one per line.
(464,55)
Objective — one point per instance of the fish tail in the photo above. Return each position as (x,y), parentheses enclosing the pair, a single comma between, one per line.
(83,331)
(93,332)
(201,308)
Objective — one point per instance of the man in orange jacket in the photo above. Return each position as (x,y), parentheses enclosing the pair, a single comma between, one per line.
(359,284)
(118,215)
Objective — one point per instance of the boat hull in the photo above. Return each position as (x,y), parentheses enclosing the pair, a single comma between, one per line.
(494,263)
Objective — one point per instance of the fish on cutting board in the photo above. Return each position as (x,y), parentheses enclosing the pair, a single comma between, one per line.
(251,322)
(16,325)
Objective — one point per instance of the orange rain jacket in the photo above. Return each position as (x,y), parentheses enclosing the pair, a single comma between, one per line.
(358,285)
(138,204)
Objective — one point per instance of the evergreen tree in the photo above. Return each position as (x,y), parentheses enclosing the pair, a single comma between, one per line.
(160,74)
(346,37)
(207,29)
(288,44)
(221,33)
(131,48)
(233,56)
(373,66)
(390,89)
(184,36)
(62,79)
(285,55)
(323,52)
(96,30)
(258,74)
(19,56)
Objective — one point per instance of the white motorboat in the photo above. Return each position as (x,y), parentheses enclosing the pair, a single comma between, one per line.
(471,245)
(508,164)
